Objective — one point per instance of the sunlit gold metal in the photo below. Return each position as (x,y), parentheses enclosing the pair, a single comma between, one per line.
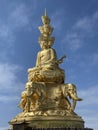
(46,93)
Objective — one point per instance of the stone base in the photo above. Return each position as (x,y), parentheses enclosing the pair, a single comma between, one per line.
(23,127)
(48,123)
(22,122)
(56,122)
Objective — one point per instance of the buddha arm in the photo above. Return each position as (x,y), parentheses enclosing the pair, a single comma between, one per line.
(38,62)
(53,56)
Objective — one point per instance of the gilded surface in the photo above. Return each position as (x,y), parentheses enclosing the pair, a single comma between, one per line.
(46,93)
(44,96)
(47,65)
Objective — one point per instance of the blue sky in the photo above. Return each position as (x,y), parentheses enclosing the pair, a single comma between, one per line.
(75,25)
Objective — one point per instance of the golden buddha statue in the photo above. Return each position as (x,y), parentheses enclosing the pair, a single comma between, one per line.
(47,65)
(47,99)
(46,29)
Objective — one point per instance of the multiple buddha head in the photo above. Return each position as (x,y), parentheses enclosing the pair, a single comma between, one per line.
(46,30)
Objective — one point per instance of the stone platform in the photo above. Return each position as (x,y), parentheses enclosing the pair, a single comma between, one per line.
(59,129)
(18,127)
(47,123)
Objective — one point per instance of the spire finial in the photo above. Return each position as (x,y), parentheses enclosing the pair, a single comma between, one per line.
(45,12)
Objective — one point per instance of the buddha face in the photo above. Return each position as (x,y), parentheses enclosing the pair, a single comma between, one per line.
(44,45)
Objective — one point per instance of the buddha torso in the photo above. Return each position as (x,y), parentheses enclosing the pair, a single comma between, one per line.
(47,68)
(47,65)
(46,57)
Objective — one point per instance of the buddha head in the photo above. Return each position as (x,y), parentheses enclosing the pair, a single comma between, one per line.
(43,42)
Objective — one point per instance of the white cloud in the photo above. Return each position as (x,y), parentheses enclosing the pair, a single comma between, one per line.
(89,95)
(74,41)
(84,24)
(10,98)
(94,59)
(5,31)
(7,73)
(4,128)
(91,60)
(92,122)
(88,107)
(56,18)
(87,23)
(10,87)
(19,17)
(6,36)
(10,92)
(84,28)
